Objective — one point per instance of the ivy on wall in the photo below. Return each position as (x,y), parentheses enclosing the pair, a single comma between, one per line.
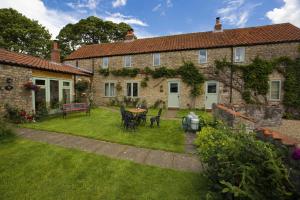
(255,78)
(188,73)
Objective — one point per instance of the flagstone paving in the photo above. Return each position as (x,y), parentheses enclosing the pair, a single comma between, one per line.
(164,159)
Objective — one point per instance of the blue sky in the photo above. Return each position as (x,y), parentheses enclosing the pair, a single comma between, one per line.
(160,17)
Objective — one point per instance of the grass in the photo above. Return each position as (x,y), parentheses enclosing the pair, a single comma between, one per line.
(105,124)
(31,170)
(184,112)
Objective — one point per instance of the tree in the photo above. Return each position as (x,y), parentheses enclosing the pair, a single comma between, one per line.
(91,30)
(23,35)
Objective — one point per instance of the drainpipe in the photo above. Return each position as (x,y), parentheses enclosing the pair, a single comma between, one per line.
(75,92)
(231,75)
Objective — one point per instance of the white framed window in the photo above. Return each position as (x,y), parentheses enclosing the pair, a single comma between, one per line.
(275,90)
(127,61)
(66,92)
(105,62)
(109,89)
(156,59)
(52,92)
(239,54)
(132,89)
(202,56)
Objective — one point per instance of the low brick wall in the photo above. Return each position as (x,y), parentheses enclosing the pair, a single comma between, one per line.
(232,118)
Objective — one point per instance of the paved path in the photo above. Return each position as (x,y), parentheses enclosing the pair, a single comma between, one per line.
(164,159)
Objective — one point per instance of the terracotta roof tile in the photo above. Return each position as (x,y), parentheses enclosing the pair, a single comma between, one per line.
(14,58)
(233,37)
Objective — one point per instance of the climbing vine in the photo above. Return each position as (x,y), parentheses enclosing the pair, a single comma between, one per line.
(188,72)
(252,80)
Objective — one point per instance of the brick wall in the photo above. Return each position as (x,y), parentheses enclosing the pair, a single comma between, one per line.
(174,60)
(18,96)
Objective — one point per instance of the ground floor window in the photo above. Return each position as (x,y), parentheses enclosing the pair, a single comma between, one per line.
(52,93)
(275,87)
(109,89)
(132,89)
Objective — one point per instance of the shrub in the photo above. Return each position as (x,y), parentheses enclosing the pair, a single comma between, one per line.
(241,167)
(81,85)
(5,130)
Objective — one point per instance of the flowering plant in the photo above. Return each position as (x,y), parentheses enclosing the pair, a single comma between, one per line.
(30,86)
(296,154)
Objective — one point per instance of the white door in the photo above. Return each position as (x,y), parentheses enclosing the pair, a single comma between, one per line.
(173,97)
(211,93)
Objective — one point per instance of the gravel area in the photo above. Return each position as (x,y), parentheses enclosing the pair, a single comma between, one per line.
(290,128)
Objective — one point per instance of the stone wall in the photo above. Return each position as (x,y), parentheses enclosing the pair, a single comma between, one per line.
(174,60)
(18,96)
(252,116)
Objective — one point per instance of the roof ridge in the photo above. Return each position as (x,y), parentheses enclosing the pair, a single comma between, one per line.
(191,33)
(264,34)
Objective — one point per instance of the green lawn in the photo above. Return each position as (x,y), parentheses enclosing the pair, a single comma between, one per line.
(205,115)
(104,124)
(31,170)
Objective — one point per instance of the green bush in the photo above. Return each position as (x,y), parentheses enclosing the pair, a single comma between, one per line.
(241,167)
(5,130)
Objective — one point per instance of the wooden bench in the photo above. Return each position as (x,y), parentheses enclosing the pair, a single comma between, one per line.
(75,107)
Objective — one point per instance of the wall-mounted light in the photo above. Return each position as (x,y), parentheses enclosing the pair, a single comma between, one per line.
(9,86)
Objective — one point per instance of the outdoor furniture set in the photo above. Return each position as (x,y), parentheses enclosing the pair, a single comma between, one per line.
(131,118)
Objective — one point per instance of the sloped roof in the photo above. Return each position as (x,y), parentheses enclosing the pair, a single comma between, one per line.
(232,37)
(13,58)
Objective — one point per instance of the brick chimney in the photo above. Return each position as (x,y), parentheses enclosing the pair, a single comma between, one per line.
(218,25)
(55,52)
(130,35)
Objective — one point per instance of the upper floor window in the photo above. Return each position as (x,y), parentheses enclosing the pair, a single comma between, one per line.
(127,61)
(105,61)
(202,56)
(275,87)
(132,89)
(109,89)
(156,59)
(239,54)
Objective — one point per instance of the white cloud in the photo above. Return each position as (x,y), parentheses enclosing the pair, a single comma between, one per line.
(90,4)
(289,12)
(53,20)
(157,7)
(236,12)
(118,17)
(169,3)
(119,3)
(162,8)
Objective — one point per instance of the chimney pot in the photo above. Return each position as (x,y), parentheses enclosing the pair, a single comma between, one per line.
(218,25)
(130,35)
(55,52)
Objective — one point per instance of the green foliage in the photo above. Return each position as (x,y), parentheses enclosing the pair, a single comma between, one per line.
(81,85)
(91,30)
(239,165)
(188,72)
(104,72)
(164,72)
(144,82)
(5,130)
(23,35)
(13,114)
(130,72)
(256,76)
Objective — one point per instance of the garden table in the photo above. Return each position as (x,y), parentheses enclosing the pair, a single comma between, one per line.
(136,111)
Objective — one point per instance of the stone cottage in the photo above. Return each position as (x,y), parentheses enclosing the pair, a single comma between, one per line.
(203,48)
(20,74)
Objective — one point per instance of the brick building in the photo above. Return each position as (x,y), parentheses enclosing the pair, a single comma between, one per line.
(55,80)
(237,45)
